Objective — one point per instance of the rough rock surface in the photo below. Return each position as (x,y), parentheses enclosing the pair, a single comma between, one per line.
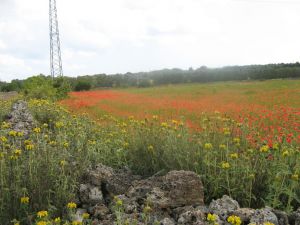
(224,206)
(20,118)
(162,196)
(176,198)
(264,215)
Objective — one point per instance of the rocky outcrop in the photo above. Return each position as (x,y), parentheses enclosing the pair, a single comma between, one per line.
(176,198)
(105,191)
(20,118)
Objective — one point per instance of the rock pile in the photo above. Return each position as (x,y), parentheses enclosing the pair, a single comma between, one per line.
(109,195)
(20,118)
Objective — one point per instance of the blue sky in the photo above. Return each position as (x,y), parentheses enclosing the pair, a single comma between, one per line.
(118,36)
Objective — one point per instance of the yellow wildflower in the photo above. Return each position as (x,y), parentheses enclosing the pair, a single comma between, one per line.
(234,155)
(147,209)
(226,131)
(234,220)
(71,205)
(222,146)
(3,139)
(37,130)
(24,200)
(268,223)
(150,148)
(20,134)
(59,124)
(12,133)
(211,217)
(85,216)
(225,165)
(41,223)
(42,214)
(285,153)
(76,223)
(57,220)
(29,147)
(264,148)
(66,145)
(208,146)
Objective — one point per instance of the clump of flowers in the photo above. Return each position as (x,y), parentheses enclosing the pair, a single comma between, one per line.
(234,220)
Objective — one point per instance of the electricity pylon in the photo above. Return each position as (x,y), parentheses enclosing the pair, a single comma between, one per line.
(55,54)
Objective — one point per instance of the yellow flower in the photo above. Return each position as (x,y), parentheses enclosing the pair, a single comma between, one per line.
(5,125)
(24,200)
(150,148)
(155,117)
(63,163)
(222,146)
(285,153)
(59,124)
(234,155)
(3,139)
(236,140)
(85,216)
(71,205)
(12,133)
(29,147)
(275,146)
(264,148)
(41,223)
(42,214)
(76,223)
(45,125)
(208,146)
(268,223)
(57,220)
(234,220)
(225,165)
(226,131)
(295,177)
(20,134)
(37,130)
(211,217)
(164,125)
(66,145)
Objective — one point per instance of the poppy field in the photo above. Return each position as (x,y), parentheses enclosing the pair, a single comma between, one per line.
(242,138)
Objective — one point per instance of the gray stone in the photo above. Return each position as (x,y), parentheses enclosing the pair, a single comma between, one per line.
(294,217)
(224,206)
(264,215)
(167,221)
(90,195)
(281,216)
(245,214)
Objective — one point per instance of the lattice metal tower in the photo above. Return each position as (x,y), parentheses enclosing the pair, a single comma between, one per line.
(55,54)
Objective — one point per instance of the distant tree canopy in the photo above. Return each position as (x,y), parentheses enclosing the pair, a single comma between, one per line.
(162,77)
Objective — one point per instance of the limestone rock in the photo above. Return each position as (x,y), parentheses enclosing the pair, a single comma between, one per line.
(224,206)
(294,217)
(264,215)
(20,118)
(245,214)
(89,194)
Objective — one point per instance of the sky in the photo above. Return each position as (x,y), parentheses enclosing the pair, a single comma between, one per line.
(119,36)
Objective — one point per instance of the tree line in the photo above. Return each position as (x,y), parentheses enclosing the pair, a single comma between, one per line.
(158,77)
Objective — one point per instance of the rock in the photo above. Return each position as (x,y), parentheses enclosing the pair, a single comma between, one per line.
(21,119)
(264,215)
(245,214)
(167,221)
(99,211)
(223,207)
(183,188)
(115,182)
(281,216)
(192,217)
(90,195)
(294,217)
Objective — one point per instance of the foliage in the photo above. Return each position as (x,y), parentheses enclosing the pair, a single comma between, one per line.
(42,171)
(42,87)
(82,85)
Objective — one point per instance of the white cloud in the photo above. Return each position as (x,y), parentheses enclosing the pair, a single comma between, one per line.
(133,35)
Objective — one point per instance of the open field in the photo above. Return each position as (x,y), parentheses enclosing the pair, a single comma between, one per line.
(271,108)
(8,95)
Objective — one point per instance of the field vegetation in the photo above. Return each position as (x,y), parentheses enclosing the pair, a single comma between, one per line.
(242,138)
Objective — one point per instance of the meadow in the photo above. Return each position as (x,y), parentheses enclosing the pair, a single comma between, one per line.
(242,138)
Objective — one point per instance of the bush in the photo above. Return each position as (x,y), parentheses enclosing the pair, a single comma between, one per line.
(82,86)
